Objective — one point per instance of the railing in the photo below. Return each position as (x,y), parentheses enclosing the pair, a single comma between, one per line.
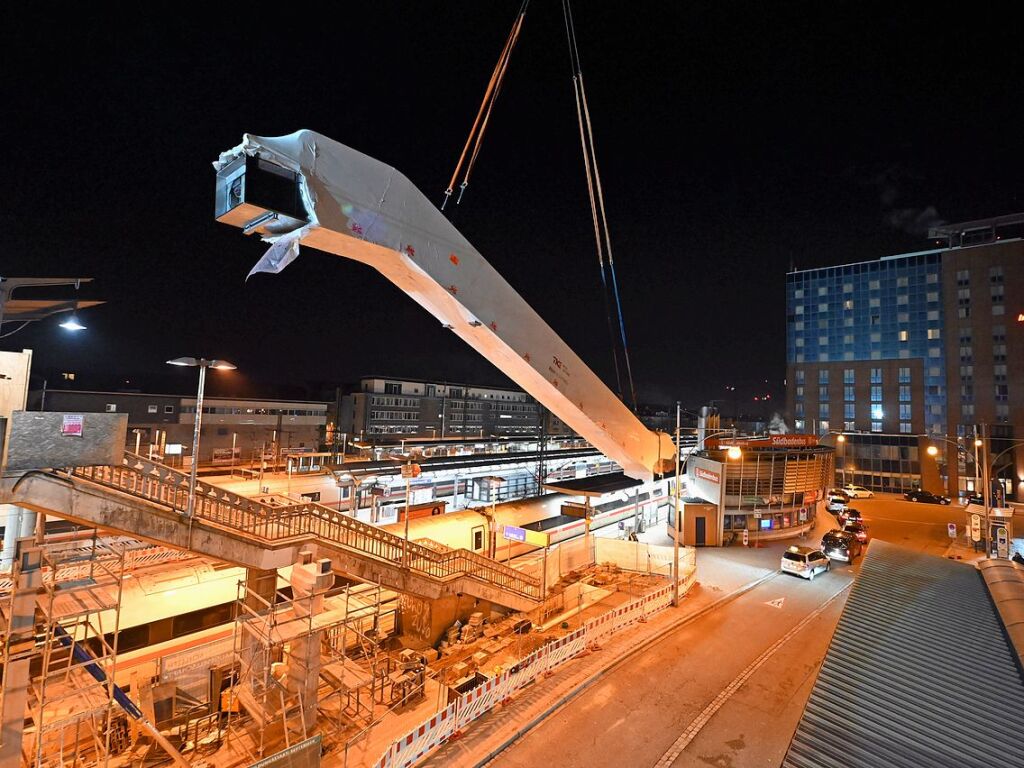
(168,487)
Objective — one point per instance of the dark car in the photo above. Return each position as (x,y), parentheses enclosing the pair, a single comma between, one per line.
(841,545)
(975,499)
(925,497)
(857,529)
(850,515)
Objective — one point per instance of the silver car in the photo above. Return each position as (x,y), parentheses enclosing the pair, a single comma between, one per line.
(805,562)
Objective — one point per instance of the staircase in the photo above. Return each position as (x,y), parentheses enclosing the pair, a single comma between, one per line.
(147,499)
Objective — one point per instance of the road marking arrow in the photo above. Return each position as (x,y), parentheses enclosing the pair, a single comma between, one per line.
(777,602)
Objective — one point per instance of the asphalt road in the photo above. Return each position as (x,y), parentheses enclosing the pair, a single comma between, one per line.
(728,689)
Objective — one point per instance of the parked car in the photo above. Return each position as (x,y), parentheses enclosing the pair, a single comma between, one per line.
(805,562)
(857,491)
(839,492)
(857,529)
(841,545)
(925,497)
(975,499)
(836,503)
(850,515)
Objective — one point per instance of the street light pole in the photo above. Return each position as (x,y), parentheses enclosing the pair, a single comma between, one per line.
(202,364)
(676,520)
(988,488)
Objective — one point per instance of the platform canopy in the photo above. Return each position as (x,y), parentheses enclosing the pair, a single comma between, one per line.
(596,485)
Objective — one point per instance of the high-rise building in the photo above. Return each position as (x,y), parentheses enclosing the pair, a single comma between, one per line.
(911,351)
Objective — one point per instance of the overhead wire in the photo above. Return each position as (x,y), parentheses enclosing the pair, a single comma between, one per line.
(597,208)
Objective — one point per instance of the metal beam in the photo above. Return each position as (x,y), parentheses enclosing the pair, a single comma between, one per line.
(362,209)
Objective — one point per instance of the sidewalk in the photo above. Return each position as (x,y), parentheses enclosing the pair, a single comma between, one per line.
(722,574)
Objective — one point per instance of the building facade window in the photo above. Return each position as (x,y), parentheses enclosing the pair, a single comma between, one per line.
(876,375)
(876,393)
(904,375)
(904,393)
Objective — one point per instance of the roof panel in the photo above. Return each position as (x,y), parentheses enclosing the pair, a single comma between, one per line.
(919,672)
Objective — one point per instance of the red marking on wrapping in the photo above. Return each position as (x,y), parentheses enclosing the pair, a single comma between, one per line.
(410,250)
(452,289)
(526,356)
(453,259)
(422,730)
(356,228)
(555,382)
(494,326)
(408,740)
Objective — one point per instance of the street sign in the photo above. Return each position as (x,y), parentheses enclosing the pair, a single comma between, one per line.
(951,527)
(975,527)
(71,424)
(410,470)
(512,533)
(746,538)
(1002,542)
(757,515)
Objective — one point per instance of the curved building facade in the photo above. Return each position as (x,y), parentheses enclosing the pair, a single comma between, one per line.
(770,490)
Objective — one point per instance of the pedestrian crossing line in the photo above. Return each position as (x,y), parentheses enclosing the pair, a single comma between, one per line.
(726,693)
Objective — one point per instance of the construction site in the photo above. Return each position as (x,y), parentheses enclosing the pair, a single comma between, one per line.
(117,651)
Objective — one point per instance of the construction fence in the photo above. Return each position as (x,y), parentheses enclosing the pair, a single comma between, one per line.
(441,726)
(562,559)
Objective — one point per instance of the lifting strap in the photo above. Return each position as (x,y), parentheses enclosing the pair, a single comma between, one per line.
(602,236)
(483,115)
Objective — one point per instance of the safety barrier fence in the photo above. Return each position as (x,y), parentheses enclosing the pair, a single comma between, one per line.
(163,485)
(441,726)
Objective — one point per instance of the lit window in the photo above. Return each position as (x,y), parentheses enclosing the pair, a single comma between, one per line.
(151,409)
(904,335)
(905,427)
(933,333)
(848,304)
(876,411)
(876,426)
(904,375)
(111,408)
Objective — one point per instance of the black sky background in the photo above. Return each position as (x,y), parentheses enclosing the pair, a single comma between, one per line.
(735,140)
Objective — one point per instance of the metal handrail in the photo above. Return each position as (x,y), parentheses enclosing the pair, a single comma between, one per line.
(143,478)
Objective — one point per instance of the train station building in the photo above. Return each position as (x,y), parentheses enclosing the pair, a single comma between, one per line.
(774,488)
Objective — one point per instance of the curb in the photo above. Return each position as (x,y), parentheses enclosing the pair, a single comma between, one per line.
(572,694)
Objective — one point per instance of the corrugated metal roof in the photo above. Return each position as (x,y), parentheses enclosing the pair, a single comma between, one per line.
(918,673)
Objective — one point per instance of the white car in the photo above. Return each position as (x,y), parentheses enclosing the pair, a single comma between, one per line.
(836,504)
(858,492)
(805,562)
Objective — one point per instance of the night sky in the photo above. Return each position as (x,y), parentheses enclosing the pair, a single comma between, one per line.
(736,140)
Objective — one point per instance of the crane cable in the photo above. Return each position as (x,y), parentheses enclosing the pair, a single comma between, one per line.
(597,209)
(483,115)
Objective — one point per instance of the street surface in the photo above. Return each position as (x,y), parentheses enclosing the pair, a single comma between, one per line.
(728,688)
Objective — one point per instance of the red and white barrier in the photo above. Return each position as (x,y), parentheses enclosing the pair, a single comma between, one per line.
(437,729)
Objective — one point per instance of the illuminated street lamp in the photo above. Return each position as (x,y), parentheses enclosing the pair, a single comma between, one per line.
(202,364)
(72,324)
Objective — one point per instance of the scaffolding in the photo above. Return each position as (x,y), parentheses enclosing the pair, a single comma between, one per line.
(302,662)
(68,657)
